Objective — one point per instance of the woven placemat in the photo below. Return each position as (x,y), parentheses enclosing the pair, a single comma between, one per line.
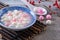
(26,34)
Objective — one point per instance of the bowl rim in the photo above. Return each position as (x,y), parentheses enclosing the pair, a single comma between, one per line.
(34,15)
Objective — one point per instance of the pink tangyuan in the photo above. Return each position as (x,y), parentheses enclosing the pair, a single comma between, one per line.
(14,20)
(20,20)
(41,18)
(25,15)
(9,14)
(7,23)
(25,24)
(40,11)
(48,16)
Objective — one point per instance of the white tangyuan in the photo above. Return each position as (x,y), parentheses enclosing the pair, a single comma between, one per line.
(48,22)
(15,12)
(13,24)
(23,22)
(4,19)
(17,25)
(20,14)
(10,17)
(25,19)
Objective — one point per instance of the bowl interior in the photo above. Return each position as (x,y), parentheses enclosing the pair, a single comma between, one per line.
(5,10)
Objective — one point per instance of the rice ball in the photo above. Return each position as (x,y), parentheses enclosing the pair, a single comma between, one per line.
(48,22)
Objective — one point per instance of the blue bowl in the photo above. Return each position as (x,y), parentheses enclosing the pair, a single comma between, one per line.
(6,9)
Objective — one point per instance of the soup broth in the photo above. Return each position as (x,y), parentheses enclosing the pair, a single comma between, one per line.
(16,19)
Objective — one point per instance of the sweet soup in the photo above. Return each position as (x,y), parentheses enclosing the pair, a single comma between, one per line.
(16,18)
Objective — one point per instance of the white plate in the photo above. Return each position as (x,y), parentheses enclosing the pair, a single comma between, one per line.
(45,11)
